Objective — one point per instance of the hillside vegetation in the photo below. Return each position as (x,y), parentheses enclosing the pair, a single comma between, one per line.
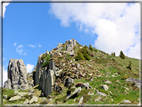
(96,68)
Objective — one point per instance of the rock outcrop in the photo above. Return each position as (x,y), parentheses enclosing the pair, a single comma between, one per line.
(39,71)
(71,44)
(59,47)
(17,75)
(47,82)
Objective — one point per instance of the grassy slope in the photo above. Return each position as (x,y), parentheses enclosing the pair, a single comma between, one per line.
(107,68)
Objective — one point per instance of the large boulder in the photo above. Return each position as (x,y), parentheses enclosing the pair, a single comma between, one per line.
(76,91)
(15,98)
(68,82)
(57,88)
(136,81)
(17,75)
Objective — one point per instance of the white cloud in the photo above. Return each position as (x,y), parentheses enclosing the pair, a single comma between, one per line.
(5,75)
(15,44)
(39,45)
(19,49)
(33,46)
(114,23)
(29,68)
(4,6)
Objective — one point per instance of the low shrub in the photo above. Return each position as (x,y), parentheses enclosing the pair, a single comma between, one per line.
(86,98)
(46,60)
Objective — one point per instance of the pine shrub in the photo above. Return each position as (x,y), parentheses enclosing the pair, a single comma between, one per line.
(122,55)
(79,56)
(85,53)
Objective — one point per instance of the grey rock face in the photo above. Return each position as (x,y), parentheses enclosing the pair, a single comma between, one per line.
(39,70)
(17,75)
(52,66)
(7,84)
(71,44)
(47,82)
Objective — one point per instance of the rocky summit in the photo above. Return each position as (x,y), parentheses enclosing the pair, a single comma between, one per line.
(74,74)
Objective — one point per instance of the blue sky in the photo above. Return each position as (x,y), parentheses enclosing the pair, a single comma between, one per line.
(29,29)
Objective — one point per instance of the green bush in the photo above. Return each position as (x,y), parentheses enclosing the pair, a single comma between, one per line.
(67,56)
(122,55)
(85,53)
(79,56)
(46,60)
